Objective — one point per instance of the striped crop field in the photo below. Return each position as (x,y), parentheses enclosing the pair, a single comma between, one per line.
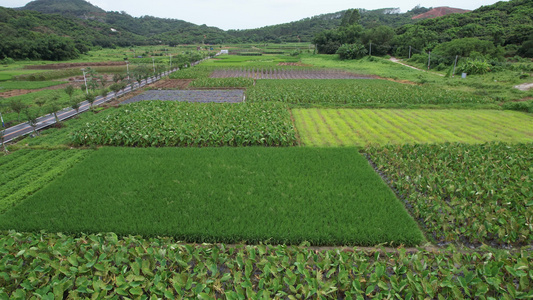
(359,127)
(24,172)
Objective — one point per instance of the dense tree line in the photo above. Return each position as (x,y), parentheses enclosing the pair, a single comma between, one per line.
(33,35)
(502,29)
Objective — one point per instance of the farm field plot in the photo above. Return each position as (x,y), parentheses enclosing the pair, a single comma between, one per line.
(359,127)
(231,82)
(24,172)
(225,61)
(465,193)
(284,73)
(104,265)
(218,96)
(171,123)
(357,93)
(327,196)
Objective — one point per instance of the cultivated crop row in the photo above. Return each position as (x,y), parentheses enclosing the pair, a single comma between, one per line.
(361,93)
(222,82)
(57,265)
(360,127)
(26,171)
(286,73)
(168,123)
(465,193)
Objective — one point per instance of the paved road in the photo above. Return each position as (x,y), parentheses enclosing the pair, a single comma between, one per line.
(14,132)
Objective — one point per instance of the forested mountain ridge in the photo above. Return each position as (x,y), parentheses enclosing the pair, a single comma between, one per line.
(75,8)
(178,31)
(33,35)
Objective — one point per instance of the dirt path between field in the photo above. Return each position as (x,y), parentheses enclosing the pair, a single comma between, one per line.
(524,86)
(394,59)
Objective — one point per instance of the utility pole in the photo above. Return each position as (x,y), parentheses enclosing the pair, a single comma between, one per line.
(370,49)
(128,69)
(153,64)
(85,80)
(170,62)
(455,64)
(409,52)
(429,58)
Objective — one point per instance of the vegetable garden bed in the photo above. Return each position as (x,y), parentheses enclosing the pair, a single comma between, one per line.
(465,193)
(285,73)
(169,123)
(104,265)
(357,93)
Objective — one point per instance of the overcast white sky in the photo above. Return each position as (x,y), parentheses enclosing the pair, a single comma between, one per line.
(244,14)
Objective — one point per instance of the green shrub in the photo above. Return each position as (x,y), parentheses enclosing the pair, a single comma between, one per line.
(474,67)
(526,106)
(351,51)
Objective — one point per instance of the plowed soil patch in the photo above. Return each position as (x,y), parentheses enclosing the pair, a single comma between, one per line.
(171,84)
(14,93)
(293,64)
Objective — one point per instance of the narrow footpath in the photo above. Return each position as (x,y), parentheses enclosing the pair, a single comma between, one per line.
(394,59)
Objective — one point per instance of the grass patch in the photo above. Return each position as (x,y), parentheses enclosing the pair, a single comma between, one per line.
(465,193)
(359,127)
(27,85)
(169,123)
(327,196)
(357,93)
(24,172)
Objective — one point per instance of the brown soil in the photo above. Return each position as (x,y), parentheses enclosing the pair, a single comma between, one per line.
(398,80)
(181,84)
(293,64)
(13,93)
(75,65)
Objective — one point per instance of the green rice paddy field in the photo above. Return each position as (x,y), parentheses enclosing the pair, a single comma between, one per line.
(327,196)
(359,127)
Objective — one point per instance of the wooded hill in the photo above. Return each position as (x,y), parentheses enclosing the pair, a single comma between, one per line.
(502,29)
